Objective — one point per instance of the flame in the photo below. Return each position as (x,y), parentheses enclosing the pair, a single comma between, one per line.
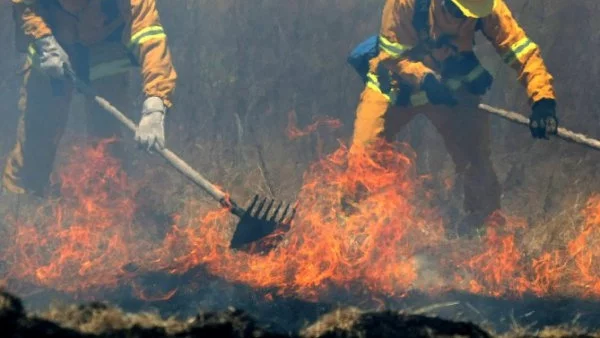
(150,296)
(293,132)
(327,248)
(389,244)
(497,268)
(585,250)
(82,236)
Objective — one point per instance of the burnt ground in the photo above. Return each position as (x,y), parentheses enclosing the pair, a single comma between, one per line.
(100,320)
(279,57)
(272,314)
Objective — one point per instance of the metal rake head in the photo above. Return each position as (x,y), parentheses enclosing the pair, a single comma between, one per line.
(260,220)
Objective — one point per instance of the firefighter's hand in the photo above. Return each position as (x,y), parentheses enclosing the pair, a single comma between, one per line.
(52,57)
(543,120)
(478,81)
(150,132)
(437,92)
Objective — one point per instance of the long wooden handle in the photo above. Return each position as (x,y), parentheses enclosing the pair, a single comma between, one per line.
(562,133)
(171,158)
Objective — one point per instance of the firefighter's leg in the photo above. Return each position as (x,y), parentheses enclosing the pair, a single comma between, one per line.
(44,105)
(376,122)
(109,75)
(466,133)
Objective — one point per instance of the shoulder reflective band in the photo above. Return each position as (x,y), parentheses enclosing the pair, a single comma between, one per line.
(111,68)
(392,48)
(146,34)
(518,50)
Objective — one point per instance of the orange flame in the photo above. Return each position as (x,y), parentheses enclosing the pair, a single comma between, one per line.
(293,132)
(327,248)
(82,237)
(84,240)
(496,269)
(585,250)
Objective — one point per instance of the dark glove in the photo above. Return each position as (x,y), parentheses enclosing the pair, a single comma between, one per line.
(543,121)
(481,82)
(437,92)
(476,79)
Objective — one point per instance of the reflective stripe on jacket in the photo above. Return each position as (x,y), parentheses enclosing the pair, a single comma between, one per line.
(398,40)
(86,22)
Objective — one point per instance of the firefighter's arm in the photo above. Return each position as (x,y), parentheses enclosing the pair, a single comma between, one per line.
(396,39)
(35,38)
(518,51)
(148,43)
(30,23)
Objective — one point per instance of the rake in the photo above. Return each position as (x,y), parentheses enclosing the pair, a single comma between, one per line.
(255,222)
(561,133)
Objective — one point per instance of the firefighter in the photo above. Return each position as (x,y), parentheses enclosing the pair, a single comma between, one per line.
(101,41)
(426,65)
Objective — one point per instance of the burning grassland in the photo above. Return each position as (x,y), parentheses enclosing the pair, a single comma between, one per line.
(393,245)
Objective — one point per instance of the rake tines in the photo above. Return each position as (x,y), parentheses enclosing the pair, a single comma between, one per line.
(268,216)
(260,220)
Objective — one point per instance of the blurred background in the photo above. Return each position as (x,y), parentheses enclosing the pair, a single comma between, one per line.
(248,68)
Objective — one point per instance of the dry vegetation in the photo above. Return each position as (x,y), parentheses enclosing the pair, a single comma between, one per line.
(245,65)
(248,65)
(101,320)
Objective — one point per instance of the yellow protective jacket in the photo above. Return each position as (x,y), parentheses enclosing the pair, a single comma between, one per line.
(88,22)
(398,38)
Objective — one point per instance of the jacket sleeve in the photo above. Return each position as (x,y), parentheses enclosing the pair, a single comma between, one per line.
(396,38)
(148,43)
(518,51)
(28,20)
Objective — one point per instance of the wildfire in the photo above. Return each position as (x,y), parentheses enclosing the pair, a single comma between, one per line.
(292,131)
(80,240)
(585,250)
(386,245)
(498,267)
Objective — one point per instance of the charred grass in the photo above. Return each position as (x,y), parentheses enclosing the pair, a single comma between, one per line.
(230,118)
(102,320)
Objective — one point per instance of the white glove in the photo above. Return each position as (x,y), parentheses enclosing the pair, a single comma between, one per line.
(150,132)
(53,57)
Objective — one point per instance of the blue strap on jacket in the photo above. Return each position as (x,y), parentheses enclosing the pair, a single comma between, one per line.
(363,53)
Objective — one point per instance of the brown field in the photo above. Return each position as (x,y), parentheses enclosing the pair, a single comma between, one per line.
(248,68)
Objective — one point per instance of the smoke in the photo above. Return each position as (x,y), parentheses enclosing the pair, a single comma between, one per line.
(259,61)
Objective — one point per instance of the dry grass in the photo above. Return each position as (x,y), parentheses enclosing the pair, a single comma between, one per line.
(98,320)
(352,322)
(98,317)
(550,332)
(246,65)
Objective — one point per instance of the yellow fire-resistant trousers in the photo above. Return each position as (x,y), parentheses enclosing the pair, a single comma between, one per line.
(466,134)
(44,107)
